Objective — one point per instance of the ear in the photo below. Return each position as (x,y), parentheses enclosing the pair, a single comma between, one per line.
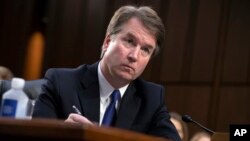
(106,42)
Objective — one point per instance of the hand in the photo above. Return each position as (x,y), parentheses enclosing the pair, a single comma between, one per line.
(76,118)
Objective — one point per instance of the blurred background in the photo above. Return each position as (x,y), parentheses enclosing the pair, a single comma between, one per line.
(204,65)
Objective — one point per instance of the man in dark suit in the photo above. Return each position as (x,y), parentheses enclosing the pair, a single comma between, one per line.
(110,91)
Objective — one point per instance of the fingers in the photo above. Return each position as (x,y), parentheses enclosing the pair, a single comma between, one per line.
(76,118)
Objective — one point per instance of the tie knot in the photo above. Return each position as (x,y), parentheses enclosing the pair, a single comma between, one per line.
(115,95)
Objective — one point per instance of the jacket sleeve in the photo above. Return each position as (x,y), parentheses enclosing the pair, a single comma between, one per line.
(46,105)
(161,124)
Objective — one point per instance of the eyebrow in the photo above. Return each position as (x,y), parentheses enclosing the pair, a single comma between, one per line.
(129,34)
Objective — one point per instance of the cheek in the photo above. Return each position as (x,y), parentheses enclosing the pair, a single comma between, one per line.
(118,52)
(142,65)
(115,55)
(113,48)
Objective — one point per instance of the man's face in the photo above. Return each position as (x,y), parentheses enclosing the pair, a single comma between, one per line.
(128,52)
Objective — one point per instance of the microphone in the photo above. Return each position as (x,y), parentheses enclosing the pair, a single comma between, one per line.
(187,118)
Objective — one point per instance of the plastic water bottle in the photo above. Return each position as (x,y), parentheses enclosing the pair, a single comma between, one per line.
(15,101)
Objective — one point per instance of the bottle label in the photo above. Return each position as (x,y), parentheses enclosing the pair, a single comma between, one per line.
(9,107)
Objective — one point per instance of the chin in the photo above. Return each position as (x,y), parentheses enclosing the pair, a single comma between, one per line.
(126,77)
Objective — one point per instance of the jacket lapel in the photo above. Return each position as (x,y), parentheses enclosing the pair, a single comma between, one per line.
(129,107)
(89,97)
(89,94)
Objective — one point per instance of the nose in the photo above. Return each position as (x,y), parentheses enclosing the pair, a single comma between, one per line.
(134,54)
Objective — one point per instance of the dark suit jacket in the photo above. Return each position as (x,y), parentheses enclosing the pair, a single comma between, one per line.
(142,107)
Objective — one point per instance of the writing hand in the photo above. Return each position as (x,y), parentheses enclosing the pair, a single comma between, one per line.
(79,119)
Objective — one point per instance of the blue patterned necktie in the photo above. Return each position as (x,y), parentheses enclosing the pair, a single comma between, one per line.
(110,113)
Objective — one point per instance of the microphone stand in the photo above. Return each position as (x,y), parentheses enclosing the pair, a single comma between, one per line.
(187,118)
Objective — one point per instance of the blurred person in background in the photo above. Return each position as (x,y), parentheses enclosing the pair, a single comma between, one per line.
(5,73)
(201,136)
(180,125)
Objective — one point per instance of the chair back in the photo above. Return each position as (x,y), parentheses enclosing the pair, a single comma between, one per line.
(32,87)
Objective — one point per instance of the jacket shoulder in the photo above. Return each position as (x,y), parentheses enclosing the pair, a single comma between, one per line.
(149,90)
(147,86)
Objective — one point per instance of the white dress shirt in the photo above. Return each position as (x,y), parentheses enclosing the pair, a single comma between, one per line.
(105,91)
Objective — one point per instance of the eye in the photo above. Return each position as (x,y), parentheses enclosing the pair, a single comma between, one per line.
(130,41)
(146,51)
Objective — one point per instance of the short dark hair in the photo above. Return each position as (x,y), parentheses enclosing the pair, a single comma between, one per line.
(146,15)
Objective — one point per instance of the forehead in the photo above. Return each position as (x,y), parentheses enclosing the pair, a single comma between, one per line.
(135,27)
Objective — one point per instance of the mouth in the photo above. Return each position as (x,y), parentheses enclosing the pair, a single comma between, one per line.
(127,67)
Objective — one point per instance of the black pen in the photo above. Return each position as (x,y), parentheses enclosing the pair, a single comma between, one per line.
(76,110)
